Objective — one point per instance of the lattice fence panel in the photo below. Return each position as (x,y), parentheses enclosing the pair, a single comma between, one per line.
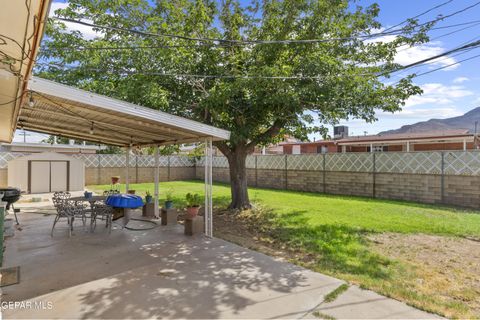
(7,156)
(462,163)
(353,162)
(112,160)
(219,162)
(181,161)
(411,162)
(90,160)
(146,161)
(275,162)
(312,162)
(250,162)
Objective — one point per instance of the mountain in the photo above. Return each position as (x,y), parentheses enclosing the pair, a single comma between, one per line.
(466,121)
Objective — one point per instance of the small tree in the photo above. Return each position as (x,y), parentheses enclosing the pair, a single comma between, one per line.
(258,91)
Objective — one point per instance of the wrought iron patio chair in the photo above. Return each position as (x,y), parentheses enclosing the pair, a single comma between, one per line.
(104,212)
(68,209)
(59,197)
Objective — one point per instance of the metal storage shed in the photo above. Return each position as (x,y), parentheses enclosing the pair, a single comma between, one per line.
(46,172)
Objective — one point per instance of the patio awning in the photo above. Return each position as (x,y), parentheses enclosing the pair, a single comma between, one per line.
(61,110)
(21,29)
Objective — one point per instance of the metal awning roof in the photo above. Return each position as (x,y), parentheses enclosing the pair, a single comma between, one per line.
(21,29)
(66,111)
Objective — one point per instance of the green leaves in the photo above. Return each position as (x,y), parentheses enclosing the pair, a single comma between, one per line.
(340,77)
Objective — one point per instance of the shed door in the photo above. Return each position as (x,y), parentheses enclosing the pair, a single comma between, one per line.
(40,177)
(48,176)
(296,149)
(58,176)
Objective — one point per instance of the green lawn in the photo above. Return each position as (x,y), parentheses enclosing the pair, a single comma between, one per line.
(316,210)
(332,231)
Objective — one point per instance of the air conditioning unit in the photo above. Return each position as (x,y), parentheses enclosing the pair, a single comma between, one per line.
(340,132)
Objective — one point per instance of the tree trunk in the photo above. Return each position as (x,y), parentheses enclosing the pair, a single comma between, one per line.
(238,180)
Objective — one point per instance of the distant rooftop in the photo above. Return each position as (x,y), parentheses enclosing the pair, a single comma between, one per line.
(451,133)
(406,136)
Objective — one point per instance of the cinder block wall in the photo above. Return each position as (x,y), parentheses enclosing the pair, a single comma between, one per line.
(424,188)
(462,191)
(137,175)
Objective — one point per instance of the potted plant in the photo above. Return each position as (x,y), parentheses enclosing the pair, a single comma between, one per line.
(193,204)
(115,180)
(169,199)
(148,197)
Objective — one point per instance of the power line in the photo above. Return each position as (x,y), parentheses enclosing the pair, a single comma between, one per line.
(471,24)
(470,45)
(446,57)
(256,42)
(466,47)
(441,17)
(419,15)
(459,50)
(456,25)
(230,41)
(447,66)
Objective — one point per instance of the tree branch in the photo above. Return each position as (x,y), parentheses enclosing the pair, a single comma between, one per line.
(269,133)
(223,147)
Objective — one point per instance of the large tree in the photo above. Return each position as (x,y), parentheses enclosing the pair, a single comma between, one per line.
(245,81)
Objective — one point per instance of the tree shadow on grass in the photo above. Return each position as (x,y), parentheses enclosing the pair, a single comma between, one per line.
(335,249)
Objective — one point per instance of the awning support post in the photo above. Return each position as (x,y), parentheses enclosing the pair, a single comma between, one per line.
(157,173)
(464,144)
(208,188)
(127,165)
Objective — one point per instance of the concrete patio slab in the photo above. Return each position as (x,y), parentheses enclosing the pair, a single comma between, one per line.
(356,303)
(160,273)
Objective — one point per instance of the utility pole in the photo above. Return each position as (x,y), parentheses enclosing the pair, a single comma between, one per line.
(24,134)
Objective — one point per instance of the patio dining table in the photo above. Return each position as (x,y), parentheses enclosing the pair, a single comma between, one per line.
(91,199)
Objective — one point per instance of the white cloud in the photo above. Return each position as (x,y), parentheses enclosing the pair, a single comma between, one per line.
(418,114)
(87,32)
(460,79)
(437,101)
(407,55)
(438,94)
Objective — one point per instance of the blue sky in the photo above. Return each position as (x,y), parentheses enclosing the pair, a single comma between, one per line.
(447,93)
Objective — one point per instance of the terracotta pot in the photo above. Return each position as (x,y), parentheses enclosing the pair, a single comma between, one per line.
(192,212)
(131,191)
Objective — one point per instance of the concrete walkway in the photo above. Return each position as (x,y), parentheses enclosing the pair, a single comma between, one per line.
(161,273)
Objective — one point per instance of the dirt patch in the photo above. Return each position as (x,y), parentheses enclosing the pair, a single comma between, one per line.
(434,273)
(445,267)
(242,229)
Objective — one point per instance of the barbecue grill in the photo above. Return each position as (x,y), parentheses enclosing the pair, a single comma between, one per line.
(10,196)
